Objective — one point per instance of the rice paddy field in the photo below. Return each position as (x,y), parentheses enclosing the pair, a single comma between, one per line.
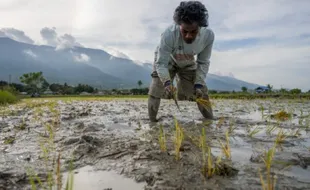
(108,143)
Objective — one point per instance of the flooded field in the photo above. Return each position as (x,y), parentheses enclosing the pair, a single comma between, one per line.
(111,144)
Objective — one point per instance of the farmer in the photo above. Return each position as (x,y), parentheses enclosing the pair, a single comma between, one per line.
(189,36)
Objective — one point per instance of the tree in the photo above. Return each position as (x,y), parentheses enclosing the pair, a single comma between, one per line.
(295,91)
(283,90)
(244,89)
(140,83)
(33,80)
(269,86)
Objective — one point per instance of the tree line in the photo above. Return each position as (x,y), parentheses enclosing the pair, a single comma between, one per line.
(34,82)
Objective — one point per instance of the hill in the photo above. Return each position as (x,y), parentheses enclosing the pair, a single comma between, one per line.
(85,65)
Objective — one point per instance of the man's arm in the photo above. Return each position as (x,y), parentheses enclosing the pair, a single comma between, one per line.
(163,56)
(203,61)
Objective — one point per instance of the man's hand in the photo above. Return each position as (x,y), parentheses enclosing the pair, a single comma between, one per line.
(170,89)
(198,90)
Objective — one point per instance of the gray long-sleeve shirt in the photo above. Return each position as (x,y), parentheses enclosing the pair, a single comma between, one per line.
(172,49)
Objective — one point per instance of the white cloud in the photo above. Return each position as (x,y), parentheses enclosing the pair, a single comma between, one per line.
(15,34)
(81,58)
(30,53)
(50,37)
(114,52)
(253,39)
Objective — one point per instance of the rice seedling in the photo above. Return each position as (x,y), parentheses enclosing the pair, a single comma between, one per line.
(205,103)
(231,127)
(268,160)
(253,132)
(162,139)
(23,125)
(178,139)
(220,122)
(281,136)
(9,140)
(203,146)
(226,148)
(281,116)
(262,110)
(270,129)
(211,169)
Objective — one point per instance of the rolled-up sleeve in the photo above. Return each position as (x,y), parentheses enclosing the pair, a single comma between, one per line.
(203,60)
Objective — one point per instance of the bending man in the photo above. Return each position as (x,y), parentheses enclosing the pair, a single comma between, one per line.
(180,43)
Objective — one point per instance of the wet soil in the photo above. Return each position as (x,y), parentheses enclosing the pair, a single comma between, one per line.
(112,144)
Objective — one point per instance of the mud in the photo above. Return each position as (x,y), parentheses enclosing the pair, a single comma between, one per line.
(112,145)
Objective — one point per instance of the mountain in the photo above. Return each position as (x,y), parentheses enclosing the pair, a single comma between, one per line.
(227,83)
(85,65)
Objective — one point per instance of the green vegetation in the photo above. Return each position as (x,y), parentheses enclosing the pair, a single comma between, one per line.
(7,97)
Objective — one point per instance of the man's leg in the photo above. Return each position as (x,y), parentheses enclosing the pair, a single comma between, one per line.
(156,93)
(186,91)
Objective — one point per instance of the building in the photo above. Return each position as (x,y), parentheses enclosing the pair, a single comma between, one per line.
(262,89)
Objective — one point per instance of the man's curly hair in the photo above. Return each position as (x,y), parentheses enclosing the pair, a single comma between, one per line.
(190,12)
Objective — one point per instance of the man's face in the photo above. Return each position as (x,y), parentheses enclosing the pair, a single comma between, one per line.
(189,32)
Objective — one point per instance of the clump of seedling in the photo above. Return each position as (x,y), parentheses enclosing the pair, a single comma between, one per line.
(162,139)
(226,148)
(9,140)
(220,122)
(281,136)
(23,125)
(268,159)
(178,139)
(281,116)
(231,127)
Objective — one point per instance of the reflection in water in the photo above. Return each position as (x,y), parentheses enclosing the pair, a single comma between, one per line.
(87,178)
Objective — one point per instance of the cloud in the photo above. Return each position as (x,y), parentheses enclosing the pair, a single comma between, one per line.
(65,41)
(30,53)
(258,41)
(2,34)
(15,34)
(49,35)
(81,58)
(114,52)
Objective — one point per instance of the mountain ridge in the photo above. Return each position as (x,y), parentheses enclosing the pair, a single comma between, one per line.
(91,66)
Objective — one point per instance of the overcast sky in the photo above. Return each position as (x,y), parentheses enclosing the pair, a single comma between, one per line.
(263,42)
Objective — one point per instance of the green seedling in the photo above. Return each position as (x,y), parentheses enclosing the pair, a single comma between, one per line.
(254,131)
(231,127)
(226,148)
(268,160)
(282,116)
(162,139)
(220,122)
(270,129)
(178,139)
(203,146)
(281,136)
(211,169)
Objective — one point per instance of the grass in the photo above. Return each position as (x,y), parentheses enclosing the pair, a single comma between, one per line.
(7,97)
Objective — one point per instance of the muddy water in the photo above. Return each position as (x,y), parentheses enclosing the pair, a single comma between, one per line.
(113,145)
(88,178)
